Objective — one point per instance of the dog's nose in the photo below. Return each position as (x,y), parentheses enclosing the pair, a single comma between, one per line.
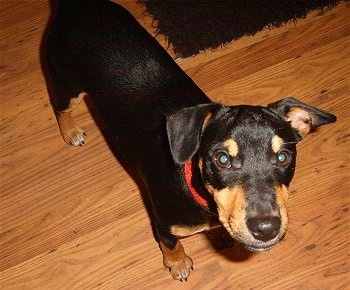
(264,228)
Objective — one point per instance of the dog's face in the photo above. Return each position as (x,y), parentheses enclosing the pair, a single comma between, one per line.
(246,157)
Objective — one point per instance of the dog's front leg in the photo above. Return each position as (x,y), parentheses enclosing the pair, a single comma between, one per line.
(177,261)
(174,257)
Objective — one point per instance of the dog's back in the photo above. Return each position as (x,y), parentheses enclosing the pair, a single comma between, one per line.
(108,55)
(97,48)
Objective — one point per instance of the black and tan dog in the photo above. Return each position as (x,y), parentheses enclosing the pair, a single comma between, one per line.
(202,163)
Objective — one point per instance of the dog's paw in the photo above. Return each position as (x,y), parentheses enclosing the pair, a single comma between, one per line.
(74,136)
(176,260)
(180,270)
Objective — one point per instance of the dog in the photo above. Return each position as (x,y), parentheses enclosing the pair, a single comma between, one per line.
(203,163)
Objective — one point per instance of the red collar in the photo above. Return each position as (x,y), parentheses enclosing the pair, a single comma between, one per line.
(194,192)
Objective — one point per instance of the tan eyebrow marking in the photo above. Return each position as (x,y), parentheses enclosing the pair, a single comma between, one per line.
(276,143)
(232,147)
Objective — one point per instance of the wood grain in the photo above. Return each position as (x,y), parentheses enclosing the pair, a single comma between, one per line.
(73,219)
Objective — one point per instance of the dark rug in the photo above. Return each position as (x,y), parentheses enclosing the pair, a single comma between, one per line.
(192,26)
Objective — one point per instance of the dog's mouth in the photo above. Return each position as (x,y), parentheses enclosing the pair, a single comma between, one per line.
(258,249)
(263,247)
(253,245)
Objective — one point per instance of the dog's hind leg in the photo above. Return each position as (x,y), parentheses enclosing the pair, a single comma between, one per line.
(65,97)
(70,131)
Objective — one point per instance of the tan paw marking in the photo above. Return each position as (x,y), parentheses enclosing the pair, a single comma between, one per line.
(177,261)
(70,131)
(74,136)
(180,270)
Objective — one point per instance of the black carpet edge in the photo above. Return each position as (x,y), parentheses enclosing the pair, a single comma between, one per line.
(192,26)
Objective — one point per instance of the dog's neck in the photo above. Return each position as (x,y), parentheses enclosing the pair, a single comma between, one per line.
(188,178)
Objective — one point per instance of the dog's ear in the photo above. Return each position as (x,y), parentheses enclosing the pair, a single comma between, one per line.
(184,129)
(302,117)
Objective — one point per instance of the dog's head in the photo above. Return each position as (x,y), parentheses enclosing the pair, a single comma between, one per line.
(246,157)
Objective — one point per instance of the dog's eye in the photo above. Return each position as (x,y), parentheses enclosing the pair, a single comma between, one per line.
(283,158)
(222,160)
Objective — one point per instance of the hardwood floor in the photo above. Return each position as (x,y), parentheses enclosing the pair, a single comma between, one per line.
(71,218)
